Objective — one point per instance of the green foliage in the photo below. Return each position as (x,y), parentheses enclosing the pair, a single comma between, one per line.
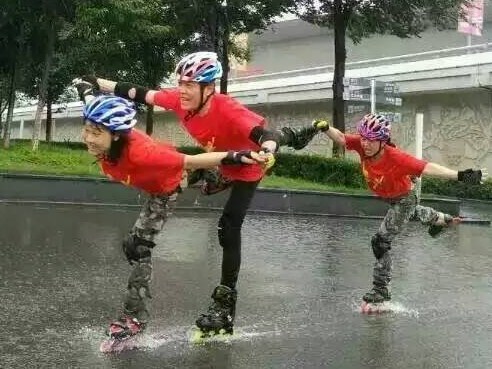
(319,169)
(307,172)
(400,18)
(359,19)
(457,189)
(49,159)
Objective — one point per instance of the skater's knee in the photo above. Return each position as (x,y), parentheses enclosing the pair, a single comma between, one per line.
(136,248)
(380,246)
(228,232)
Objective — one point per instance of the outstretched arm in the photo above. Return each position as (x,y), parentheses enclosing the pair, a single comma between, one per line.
(333,133)
(212,159)
(436,170)
(126,90)
(469,176)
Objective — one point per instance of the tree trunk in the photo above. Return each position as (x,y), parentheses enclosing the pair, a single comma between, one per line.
(3,106)
(149,120)
(339,73)
(43,88)
(225,50)
(11,102)
(49,120)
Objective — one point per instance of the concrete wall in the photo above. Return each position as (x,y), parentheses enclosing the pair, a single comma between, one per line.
(296,44)
(457,126)
(22,188)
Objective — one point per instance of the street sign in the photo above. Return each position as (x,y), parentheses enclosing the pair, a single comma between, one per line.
(388,100)
(356,96)
(363,82)
(392,116)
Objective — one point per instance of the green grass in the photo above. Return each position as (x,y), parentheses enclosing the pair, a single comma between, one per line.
(49,159)
(300,184)
(61,159)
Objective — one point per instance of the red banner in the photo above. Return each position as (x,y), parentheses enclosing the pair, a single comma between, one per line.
(471,21)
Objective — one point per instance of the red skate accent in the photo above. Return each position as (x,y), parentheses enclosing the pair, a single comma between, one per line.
(114,345)
(373,308)
(130,342)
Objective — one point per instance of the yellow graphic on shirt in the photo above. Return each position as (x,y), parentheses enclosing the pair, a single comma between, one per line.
(127,182)
(374,182)
(210,146)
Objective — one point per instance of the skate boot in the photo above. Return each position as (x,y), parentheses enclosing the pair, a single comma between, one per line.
(125,327)
(298,138)
(377,295)
(219,318)
(442,221)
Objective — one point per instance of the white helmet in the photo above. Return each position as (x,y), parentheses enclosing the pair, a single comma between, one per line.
(201,66)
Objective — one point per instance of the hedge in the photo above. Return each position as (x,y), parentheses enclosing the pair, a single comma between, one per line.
(338,172)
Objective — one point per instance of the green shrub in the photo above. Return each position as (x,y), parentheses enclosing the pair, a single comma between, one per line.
(460,190)
(338,172)
(71,158)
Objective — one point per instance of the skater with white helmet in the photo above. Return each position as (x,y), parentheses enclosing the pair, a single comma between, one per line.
(128,155)
(218,123)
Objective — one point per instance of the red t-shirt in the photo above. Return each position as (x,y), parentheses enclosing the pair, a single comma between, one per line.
(226,126)
(388,177)
(153,167)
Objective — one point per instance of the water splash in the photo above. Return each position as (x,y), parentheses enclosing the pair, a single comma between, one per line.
(156,338)
(387,307)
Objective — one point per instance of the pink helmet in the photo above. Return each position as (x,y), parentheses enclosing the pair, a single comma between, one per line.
(374,128)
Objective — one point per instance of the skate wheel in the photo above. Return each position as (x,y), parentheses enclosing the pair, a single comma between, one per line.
(198,336)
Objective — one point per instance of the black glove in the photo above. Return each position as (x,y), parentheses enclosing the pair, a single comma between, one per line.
(92,79)
(470,176)
(234,157)
(84,88)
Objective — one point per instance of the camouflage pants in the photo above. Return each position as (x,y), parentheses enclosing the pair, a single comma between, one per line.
(399,213)
(153,216)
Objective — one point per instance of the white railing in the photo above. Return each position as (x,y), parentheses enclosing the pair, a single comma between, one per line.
(369,62)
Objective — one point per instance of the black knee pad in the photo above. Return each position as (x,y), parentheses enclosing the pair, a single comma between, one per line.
(379,246)
(136,248)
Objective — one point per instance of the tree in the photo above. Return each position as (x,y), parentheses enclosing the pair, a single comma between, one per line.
(15,26)
(359,19)
(217,22)
(51,19)
(135,40)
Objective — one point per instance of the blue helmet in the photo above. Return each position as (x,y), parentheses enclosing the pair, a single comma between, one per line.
(112,112)
(201,66)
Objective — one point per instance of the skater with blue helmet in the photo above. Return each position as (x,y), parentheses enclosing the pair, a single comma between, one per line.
(127,155)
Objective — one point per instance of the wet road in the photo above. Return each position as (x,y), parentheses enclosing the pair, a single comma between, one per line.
(62,278)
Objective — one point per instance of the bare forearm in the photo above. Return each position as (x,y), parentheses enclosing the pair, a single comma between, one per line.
(270,145)
(336,135)
(106,85)
(206,160)
(436,170)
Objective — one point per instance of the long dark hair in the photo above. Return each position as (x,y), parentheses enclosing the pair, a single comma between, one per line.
(116,148)
(390,143)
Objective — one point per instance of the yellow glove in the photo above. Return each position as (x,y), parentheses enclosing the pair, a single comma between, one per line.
(321,125)
(269,159)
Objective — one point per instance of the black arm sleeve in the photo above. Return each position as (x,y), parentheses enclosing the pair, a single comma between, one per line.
(259,135)
(122,88)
